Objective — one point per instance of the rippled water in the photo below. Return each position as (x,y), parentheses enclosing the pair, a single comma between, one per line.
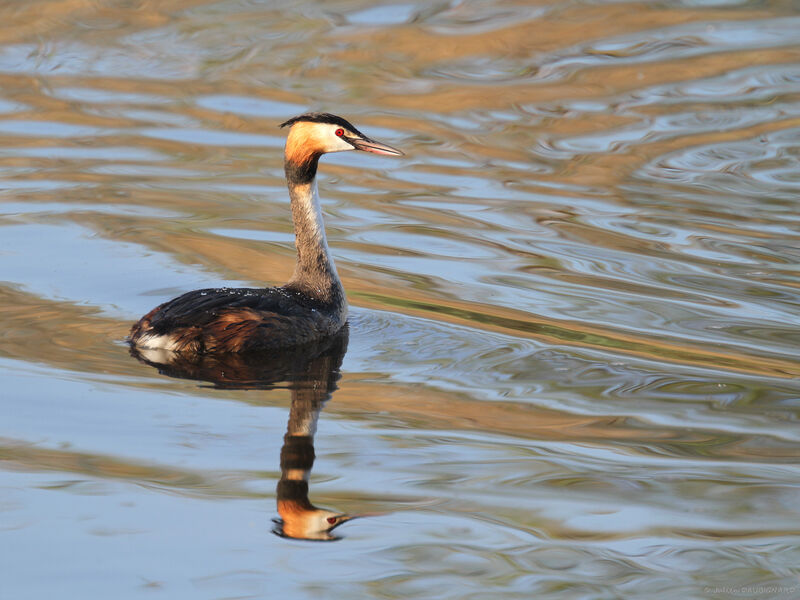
(572,367)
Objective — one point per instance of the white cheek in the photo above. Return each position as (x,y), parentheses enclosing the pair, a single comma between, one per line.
(321,520)
(333,142)
(340,145)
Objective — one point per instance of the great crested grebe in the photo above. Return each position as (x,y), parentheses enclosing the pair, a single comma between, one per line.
(309,307)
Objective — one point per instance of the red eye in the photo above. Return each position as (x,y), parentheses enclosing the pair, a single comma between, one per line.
(332,520)
(340,133)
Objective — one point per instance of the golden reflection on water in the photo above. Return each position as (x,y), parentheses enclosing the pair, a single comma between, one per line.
(573,354)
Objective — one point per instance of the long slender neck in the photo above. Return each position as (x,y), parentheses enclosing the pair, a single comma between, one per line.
(314,272)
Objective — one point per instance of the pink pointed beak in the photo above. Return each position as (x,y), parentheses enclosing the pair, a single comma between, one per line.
(367,145)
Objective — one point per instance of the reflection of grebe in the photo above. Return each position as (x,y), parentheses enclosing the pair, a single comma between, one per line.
(311,371)
(311,306)
(300,519)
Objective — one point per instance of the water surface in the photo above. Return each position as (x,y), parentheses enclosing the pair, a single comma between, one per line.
(572,363)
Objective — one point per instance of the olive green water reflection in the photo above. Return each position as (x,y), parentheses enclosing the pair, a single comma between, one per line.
(572,368)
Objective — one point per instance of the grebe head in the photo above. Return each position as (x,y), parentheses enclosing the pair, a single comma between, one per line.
(314,134)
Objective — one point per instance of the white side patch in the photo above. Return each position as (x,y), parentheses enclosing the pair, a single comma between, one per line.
(157,356)
(157,342)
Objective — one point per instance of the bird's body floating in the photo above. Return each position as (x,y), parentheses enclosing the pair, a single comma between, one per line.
(309,307)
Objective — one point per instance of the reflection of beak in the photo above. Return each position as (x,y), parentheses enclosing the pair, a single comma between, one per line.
(367,145)
(295,530)
(346,518)
(339,520)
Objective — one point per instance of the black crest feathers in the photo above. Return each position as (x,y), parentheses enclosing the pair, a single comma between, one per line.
(323,118)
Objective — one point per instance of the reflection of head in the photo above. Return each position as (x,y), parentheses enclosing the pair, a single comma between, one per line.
(302,520)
